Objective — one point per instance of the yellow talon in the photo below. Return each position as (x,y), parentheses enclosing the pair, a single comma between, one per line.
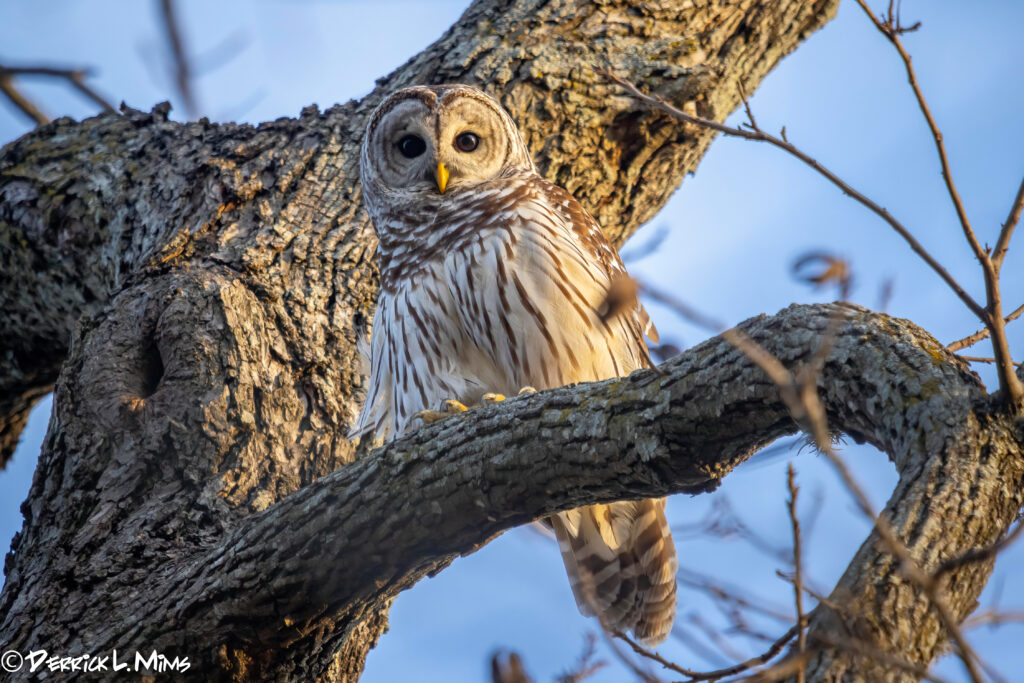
(492,398)
(526,390)
(448,408)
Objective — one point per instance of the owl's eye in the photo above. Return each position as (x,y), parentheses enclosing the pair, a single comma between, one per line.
(467,142)
(411,146)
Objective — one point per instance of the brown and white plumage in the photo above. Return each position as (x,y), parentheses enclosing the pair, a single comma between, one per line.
(491,280)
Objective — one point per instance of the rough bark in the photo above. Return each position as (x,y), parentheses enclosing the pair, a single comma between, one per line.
(205,287)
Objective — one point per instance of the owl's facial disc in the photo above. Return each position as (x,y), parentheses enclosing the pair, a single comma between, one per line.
(472,142)
(439,140)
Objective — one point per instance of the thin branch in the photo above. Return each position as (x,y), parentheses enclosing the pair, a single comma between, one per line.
(1009,384)
(686,311)
(700,582)
(645,676)
(507,667)
(798,585)
(182,66)
(982,359)
(74,77)
(973,339)
(892,32)
(759,135)
(24,105)
(585,666)
(692,675)
(1003,243)
(717,639)
(993,618)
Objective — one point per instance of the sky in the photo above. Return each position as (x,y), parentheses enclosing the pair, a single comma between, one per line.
(734,229)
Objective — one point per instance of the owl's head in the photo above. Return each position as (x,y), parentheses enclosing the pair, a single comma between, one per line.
(435,141)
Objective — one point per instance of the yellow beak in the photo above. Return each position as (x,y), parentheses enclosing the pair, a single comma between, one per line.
(442,176)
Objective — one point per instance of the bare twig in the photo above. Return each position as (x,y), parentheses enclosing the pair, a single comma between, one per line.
(644,250)
(723,522)
(973,339)
(687,312)
(982,359)
(767,656)
(892,32)
(991,315)
(696,646)
(24,105)
(759,135)
(885,294)
(733,595)
(994,618)
(75,77)
(1009,384)
(798,585)
(717,639)
(585,667)
(1003,243)
(645,676)
(182,66)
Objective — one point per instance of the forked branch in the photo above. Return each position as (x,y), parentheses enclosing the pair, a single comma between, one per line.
(990,314)
(1009,384)
(756,134)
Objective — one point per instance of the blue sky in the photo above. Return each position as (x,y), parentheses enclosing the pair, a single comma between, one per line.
(734,229)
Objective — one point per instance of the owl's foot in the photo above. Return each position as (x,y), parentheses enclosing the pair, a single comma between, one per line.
(452,407)
(448,408)
(495,398)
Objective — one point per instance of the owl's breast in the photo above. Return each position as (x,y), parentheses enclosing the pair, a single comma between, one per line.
(529,294)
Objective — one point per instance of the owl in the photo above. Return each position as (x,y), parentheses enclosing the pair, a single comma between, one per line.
(493,279)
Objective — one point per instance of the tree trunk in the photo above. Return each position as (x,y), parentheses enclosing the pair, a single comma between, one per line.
(201,289)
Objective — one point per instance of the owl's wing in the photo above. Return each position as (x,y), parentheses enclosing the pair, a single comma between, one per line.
(590,237)
(375,417)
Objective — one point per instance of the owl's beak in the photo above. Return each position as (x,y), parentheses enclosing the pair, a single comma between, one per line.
(442,176)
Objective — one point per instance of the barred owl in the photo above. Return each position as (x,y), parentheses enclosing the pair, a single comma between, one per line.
(491,280)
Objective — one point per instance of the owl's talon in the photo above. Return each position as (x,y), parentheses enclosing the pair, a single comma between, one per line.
(448,408)
(492,398)
(451,407)
(526,390)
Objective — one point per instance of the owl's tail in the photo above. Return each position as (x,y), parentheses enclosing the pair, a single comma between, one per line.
(622,565)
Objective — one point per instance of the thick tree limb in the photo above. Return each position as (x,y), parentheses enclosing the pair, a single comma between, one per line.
(273,579)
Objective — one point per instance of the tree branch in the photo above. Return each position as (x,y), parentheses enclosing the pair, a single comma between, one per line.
(446,489)
(758,135)
(891,31)
(1011,387)
(75,77)
(972,339)
(1003,243)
